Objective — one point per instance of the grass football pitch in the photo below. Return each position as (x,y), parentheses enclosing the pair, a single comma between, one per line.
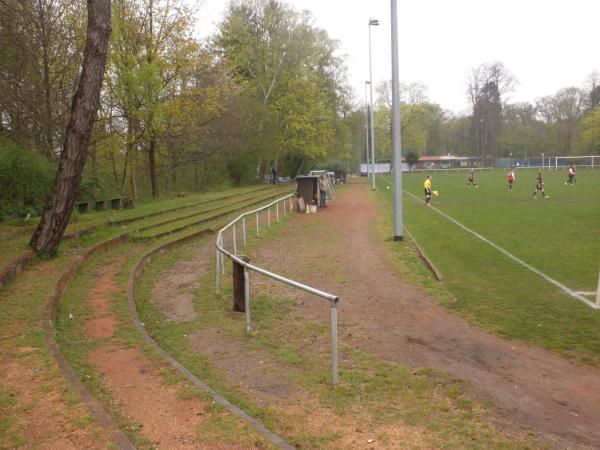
(559,236)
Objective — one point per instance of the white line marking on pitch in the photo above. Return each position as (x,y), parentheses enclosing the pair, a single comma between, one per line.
(558,284)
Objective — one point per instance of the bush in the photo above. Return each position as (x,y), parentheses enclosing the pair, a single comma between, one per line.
(25,181)
(242,169)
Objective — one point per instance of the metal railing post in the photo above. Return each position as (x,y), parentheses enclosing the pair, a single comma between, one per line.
(247,299)
(222,257)
(284,211)
(257,226)
(218,273)
(244,230)
(277,211)
(234,239)
(269,217)
(334,351)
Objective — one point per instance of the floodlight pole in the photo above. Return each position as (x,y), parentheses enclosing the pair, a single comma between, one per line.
(396,143)
(372,22)
(367,128)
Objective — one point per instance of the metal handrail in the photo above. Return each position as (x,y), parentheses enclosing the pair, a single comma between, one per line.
(220,268)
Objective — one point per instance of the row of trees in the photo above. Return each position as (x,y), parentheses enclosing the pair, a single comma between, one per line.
(565,123)
(177,113)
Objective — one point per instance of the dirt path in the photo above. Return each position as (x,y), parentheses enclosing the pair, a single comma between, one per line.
(255,372)
(38,407)
(158,408)
(380,313)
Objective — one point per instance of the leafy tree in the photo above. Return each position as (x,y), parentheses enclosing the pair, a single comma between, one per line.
(40,54)
(412,159)
(488,86)
(26,177)
(563,111)
(590,133)
(291,80)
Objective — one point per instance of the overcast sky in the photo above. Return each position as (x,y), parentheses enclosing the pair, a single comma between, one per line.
(546,44)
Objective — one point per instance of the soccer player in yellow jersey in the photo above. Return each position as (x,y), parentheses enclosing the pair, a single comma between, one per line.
(427,187)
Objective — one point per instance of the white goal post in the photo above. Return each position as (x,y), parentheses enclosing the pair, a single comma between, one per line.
(590,162)
(598,293)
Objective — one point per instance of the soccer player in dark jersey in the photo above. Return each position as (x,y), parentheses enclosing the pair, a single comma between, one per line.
(471,180)
(539,186)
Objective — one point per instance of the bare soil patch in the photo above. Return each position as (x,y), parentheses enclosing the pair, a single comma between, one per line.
(173,294)
(104,324)
(46,421)
(254,370)
(100,300)
(101,327)
(336,251)
(166,414)
(265,380)
(145,398)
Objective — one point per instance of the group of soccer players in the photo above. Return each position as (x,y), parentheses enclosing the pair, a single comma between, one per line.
(511,177)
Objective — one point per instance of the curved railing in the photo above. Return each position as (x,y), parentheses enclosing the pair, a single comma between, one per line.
(222,252)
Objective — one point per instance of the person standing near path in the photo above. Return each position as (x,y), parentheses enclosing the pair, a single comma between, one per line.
(539,186)
(511,177)
(274,173)
(322,191)
(427,188)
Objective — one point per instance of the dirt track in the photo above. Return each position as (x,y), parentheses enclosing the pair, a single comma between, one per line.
(531,388)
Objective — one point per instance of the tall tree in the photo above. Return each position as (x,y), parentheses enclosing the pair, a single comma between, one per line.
(593,87)
(85,105)
(291,77)
(487,89)
(590,134)
(39,59)
(563,112)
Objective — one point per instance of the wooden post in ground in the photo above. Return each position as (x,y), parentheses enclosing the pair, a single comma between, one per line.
(239,291)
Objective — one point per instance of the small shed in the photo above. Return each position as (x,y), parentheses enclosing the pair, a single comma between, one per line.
(308,189)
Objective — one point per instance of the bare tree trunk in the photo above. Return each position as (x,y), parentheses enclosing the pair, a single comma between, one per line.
(44,38)
(152,164)
(133,178)
(83,112)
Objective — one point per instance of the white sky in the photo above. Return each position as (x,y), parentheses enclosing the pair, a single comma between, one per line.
(546,44)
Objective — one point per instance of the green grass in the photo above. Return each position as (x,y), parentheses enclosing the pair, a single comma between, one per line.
(558,236)
(14,238)
(200,216)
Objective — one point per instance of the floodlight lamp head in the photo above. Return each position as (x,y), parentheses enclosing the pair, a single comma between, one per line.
(367,82)
(373,22)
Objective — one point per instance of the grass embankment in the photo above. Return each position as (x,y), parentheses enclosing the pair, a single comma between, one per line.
(218,425)
(558,236)
(37,406)
(15,235)
(192,219)
(395,406)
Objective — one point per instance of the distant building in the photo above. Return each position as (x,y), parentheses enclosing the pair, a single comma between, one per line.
(447,162)
(381,167)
